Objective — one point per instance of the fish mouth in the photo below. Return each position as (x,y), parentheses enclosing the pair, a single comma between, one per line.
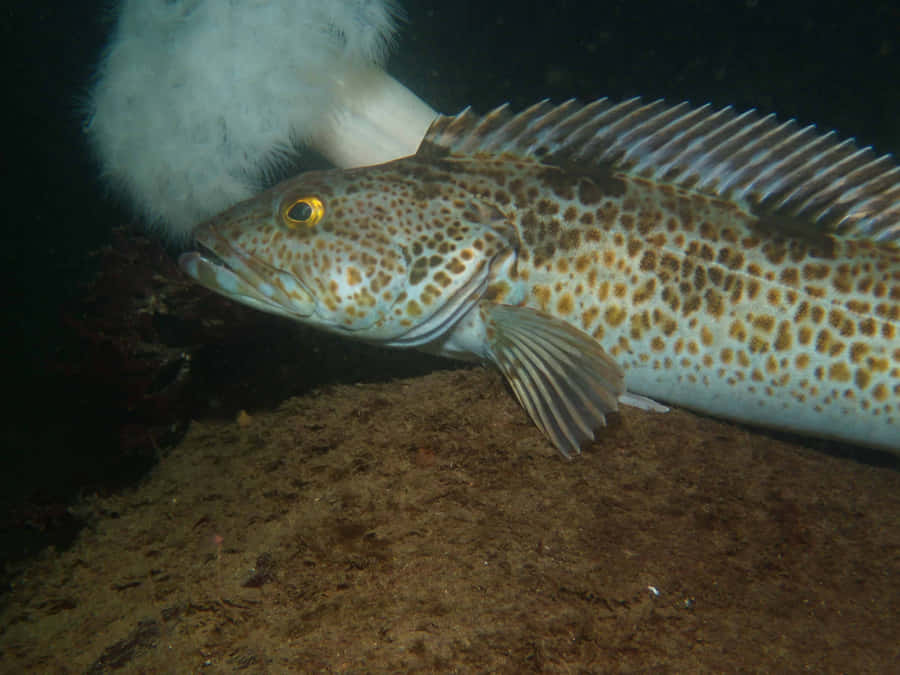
(225,268)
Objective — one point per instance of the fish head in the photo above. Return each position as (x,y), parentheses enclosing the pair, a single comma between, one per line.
(361,252)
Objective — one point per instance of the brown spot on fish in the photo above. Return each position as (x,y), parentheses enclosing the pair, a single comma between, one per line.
(455,266)
(497,291)
(804,335)
(644,292)
(614,316)
(546,207)
(565,305)
(582,263)
(880,393)
(570,240)
(634,247)
(753,289)
(542,294)
(418,271)
(823,341)
(784,337)
(692,304)
(714,303)
(815,272)
(648,261)
(839,372)
(737,331)
(758,345)
(442,278)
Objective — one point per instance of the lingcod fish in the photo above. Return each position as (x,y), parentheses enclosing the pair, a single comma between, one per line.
(601,254)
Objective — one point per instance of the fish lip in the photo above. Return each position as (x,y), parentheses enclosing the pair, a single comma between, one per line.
(253,275)
(216,248)
(211,255)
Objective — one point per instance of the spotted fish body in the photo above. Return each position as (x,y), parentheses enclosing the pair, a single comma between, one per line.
(726,263)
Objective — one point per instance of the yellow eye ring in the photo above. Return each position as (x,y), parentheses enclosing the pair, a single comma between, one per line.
(303,211)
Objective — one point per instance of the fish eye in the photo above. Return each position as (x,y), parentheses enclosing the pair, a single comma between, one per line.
(303,211)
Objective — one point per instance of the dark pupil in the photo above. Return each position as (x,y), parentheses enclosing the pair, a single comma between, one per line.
(300,211)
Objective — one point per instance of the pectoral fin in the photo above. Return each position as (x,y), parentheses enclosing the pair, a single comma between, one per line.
(560,375)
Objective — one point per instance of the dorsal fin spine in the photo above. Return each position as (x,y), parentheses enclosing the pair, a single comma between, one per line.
(816,180)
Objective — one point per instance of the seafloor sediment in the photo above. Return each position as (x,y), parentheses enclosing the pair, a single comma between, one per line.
(425,525)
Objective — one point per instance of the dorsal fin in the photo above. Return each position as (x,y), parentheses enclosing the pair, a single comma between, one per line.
(777,168)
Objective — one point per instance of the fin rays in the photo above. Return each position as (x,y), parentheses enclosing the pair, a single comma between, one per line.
(776,167)
(561,376)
